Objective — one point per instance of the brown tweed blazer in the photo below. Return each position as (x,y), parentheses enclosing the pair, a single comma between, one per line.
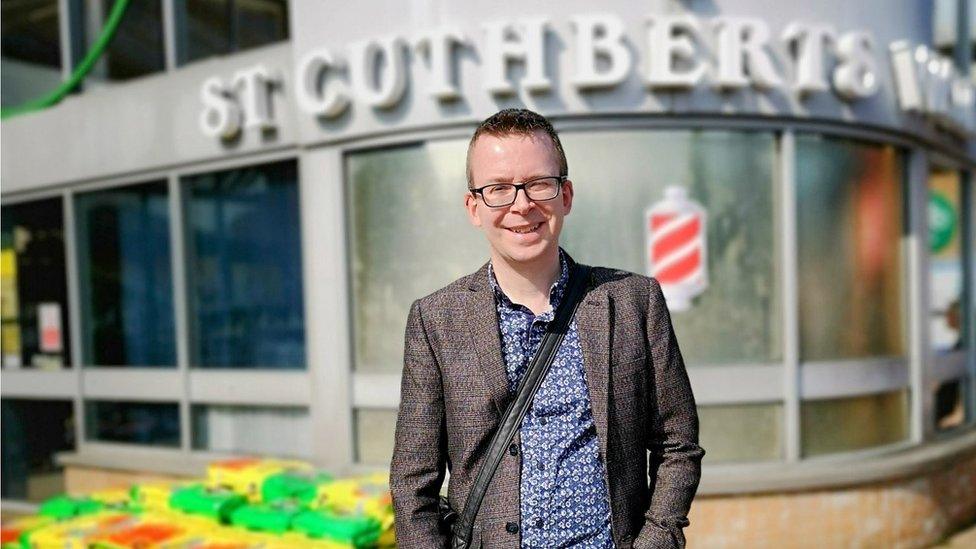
(454,392)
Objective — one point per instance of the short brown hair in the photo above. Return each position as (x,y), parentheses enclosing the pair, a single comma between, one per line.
(516,122)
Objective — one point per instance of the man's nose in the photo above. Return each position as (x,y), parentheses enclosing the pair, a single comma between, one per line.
(522,201)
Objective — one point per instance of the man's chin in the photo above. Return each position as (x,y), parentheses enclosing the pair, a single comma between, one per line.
(523,253)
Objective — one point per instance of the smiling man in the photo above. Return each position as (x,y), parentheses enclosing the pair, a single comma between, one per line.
(608,454)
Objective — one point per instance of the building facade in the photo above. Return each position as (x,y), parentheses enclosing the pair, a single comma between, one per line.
(210,249)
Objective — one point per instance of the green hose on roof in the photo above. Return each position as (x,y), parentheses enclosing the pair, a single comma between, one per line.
(83,68)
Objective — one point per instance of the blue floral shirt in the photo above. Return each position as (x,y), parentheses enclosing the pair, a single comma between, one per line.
(564,499)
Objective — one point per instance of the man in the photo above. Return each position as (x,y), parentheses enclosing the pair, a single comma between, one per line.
(577,473)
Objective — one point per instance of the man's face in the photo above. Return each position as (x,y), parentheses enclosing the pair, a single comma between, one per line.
(516,159)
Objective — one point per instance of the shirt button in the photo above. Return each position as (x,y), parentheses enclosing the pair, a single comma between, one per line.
(512,527)
(538,523)
(542,466)
(543,421)
(513,449)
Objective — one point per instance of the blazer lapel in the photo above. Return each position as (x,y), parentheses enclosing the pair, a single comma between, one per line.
(592,322)
(593,325)
(482,322)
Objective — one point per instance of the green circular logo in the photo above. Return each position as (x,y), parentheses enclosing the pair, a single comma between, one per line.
(942,221)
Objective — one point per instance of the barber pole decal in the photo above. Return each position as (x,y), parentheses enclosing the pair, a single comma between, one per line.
(676,251)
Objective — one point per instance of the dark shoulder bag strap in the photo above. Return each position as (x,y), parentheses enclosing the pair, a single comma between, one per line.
(512,419)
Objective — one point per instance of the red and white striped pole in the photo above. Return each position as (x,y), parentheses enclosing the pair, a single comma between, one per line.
(676,250)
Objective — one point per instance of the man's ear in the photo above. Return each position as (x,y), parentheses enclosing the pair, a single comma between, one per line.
(471,206)
(567,196)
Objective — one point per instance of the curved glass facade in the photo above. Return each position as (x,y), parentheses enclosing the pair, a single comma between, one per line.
(852,307)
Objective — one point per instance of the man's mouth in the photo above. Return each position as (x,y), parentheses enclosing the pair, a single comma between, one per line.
(525,228)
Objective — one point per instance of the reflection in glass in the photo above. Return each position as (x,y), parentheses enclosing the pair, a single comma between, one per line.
(33,432)
(125,273)
(34,292)
(216,27)
(405,247)
(137,46)
(852,423)
(618,175)
(741,432)
(31,50)
(256,430)
(946,275)
(150,423)
(244,258)
(950,404)
(401,250)
(374,430)
(849,225)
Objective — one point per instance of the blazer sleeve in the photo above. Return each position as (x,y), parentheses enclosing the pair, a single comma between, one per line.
(672,438)
(420,443)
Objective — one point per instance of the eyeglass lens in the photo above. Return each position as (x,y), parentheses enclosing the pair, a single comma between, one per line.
(503,194)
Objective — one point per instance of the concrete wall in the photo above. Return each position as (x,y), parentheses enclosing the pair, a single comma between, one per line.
(153,122)
(917,511)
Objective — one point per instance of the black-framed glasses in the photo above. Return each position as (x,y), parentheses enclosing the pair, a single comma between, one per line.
(539,189)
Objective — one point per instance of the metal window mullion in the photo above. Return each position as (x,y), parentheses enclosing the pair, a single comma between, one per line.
(93,15)
(169,34)
(962,46)
(917,280)
(64,35)
(790,274)
(180,304)
(74,312)
(328,341)
(968,201)
(71,31)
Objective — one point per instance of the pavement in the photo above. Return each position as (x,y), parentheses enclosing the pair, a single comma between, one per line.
(965,538)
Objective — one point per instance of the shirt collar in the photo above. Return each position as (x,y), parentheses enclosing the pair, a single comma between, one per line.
(556,291)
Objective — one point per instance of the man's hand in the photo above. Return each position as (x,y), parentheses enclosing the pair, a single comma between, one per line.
(672,435)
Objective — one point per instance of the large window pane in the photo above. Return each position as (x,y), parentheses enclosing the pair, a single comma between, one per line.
(244,257)
(849,223)
(137,46)
(125,273)
(33,432)
(34,291)
(216,27)
(409,236)
(741,432)
(256,430)
(946,275)
(852,423)
(405,201)
(150,423)
(374,431)
(260,22)
(31,51)
(617,176)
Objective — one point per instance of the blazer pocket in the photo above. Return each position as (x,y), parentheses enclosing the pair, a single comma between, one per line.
(628,397)
(626,367)
(628,353)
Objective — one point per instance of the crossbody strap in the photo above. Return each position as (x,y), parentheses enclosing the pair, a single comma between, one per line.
(530,383)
